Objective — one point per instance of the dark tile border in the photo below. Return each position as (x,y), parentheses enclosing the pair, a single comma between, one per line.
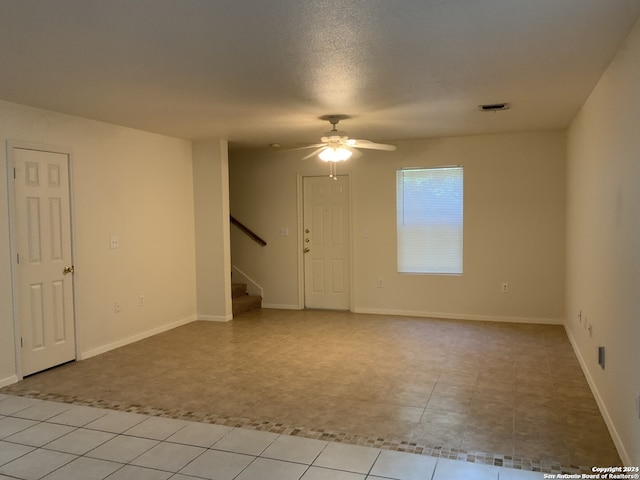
(472,456)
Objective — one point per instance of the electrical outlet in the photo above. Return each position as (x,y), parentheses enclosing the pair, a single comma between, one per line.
(141,301)
(505,287)
(116,306)
(380,283)
(114,242)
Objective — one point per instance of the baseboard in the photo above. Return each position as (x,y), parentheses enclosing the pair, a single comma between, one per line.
(446,316)
(134,338)
(4,382)
(461,316)
(622,451)
(215,318)
(278,306)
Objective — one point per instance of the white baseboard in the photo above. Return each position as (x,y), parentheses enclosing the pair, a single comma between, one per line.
(8,381)
(277,306)
(461,316)
(215,318)
(134,338)
(446,316)
(622,451)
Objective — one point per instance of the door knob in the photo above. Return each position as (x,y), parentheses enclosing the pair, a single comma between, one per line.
(68,269)
(306,230)
(307,250)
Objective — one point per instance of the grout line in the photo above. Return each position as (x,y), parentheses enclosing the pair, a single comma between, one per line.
(455,453)
(373,464)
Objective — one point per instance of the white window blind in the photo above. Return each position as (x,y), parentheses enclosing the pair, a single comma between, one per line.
(430,212)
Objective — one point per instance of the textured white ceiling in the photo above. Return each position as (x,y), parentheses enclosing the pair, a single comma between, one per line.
(262,71)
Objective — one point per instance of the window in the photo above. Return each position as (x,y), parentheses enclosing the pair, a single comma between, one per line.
(429,203)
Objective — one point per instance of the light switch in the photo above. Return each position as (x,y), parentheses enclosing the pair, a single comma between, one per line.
(284,232)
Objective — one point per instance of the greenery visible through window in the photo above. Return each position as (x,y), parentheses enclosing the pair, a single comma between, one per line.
(430,217)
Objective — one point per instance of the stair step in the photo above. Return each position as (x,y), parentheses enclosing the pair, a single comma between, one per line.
(238,289)
(245,303)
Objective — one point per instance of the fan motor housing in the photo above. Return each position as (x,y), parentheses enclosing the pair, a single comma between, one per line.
(334,137)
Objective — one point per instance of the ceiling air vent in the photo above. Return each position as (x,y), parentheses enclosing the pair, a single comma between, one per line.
(495,107)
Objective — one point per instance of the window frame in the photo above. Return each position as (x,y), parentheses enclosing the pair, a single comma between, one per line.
(439,227)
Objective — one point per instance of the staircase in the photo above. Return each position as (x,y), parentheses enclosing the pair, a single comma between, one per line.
(242,302)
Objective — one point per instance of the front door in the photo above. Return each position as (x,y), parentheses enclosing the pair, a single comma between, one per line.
(326,242)
(43,263)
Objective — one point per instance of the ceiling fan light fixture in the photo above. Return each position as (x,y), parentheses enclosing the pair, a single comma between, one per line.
(337,147)
(335,154)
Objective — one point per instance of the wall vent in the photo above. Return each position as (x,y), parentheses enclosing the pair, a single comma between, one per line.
(601,357)
(494,107)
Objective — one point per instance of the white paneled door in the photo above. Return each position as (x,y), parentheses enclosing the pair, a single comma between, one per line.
(44,268)
(326,242)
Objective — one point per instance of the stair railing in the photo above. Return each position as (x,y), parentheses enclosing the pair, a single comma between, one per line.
(247,231)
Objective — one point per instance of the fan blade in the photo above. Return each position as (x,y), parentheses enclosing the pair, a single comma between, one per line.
(315,152)
(304,148)
(371,145)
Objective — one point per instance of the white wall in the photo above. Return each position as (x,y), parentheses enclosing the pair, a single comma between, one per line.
(603,242)
(514,227)
(213,259)
(128,183)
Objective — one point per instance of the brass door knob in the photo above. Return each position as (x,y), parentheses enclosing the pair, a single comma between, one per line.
(306,250)
(68,269)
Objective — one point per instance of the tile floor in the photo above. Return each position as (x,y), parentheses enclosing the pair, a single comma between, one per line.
(506,395)
(50,440)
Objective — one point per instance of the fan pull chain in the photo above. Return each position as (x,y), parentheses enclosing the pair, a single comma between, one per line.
(333,170)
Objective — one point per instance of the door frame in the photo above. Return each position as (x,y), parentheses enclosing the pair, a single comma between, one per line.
(11,144)
(300,243)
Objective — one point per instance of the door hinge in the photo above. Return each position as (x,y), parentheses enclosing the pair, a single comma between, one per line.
(21,343)
(18,257)
(14,173)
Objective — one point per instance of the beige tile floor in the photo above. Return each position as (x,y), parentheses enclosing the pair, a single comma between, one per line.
(506,393)
(59,441)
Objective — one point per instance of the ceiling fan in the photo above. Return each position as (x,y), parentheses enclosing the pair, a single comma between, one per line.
(337,147)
